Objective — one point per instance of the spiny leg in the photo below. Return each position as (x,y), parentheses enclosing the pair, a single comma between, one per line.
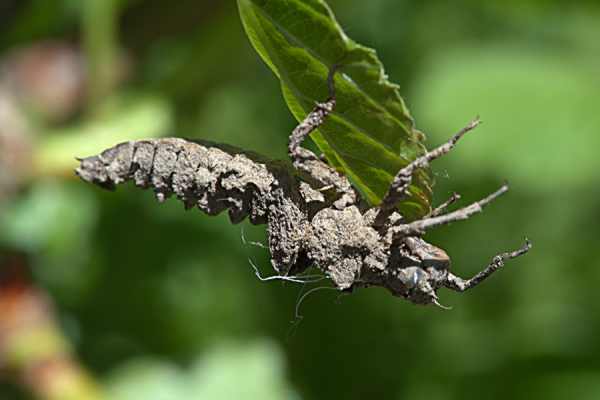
(455,283)
(420,226)
(305,160)
(312,121)
(439,210)
(402,180)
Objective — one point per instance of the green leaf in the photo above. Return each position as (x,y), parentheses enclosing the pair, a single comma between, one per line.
(371,134)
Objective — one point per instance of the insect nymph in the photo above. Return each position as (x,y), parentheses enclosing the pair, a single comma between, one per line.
(313,214)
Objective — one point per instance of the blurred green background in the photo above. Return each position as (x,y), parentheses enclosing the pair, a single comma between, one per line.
(159,303)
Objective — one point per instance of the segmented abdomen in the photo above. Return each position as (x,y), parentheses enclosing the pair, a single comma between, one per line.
(206,175)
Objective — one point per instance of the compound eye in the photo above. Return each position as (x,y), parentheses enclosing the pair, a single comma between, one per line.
(411,276)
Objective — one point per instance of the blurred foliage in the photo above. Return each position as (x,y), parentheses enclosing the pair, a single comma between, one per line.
(566,97)
(227,371)
(156,301)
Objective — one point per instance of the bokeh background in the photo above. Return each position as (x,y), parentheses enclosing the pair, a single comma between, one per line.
(113,296)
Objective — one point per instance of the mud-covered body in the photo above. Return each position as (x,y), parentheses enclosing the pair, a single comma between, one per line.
(307,226)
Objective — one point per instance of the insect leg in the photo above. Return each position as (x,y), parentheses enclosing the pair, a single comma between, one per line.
(312,121)
(305,160)
(439,210)
(403,178)
(460,285)
(420,226)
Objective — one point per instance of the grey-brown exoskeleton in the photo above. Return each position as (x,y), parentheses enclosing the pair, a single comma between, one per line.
(314,216)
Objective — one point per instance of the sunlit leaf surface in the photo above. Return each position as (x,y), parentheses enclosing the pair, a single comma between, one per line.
(371,134)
